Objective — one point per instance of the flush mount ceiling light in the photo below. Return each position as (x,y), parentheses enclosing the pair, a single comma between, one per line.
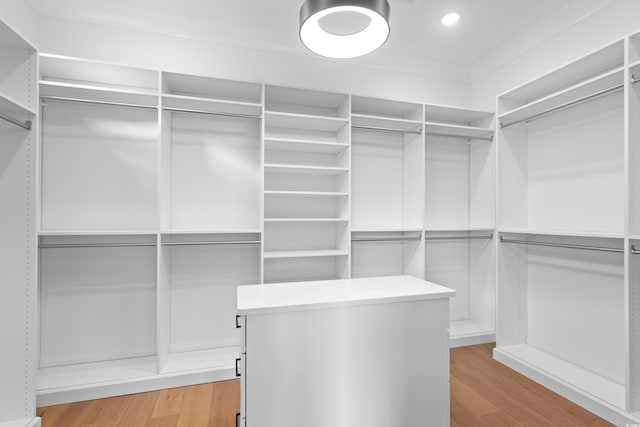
(450,18)
(344,29)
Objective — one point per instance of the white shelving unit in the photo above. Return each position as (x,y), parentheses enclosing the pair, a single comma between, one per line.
(166,191)
(19,130)
(566,279)
(459,217)
(306,183)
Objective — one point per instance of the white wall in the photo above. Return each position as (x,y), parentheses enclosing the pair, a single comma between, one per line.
(22,17)
(572,32)
(438,83)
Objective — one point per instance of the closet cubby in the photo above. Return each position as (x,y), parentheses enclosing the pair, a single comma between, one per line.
(69,79)
(463,260)
(198,275)
(99,167)
(459,169)
(97,309)
(210,179)
(562,310)
(18,97)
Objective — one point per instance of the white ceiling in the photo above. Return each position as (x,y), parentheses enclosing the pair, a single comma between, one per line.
(416,31)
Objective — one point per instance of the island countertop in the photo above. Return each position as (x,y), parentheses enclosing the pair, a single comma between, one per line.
(293,296)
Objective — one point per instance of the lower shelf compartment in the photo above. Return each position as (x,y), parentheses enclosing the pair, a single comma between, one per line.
(74,383)
(468,332)
(600,395)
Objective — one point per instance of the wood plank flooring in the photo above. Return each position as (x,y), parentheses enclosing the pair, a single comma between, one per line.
(483,393)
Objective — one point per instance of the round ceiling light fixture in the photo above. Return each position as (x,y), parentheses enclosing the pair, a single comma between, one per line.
(344,29)
(450,18)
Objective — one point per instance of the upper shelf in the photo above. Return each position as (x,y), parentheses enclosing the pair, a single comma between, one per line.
(9,38)
(457,116)
(458,131)
(306,102)
(192,104)
(360,121)
(81,92)
(304,145)
(582,70)
(12,107)
(600,85)
(384,108)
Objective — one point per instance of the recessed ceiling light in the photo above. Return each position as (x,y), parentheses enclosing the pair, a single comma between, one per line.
(450,18)
(334,29)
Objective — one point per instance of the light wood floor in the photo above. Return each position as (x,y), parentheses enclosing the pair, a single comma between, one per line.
(484,393)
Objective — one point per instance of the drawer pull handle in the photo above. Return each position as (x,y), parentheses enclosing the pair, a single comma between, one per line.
(237,367)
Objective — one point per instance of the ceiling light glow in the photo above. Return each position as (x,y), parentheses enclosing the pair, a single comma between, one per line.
(344,44)
(450,18)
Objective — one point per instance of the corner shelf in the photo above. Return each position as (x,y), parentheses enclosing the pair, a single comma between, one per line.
(604,83)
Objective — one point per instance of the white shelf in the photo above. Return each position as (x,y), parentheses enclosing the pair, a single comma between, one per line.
(306,220)
(634,64)
(454,228)
(13,107)
(634,236)
(202,360)
(460,131)
(444,114)
(400,125)
(285,144)
(319,194)
(311,170)
(376,107)
(96,232)
(386,230)
(570,94)
(304,121)
(96,93)
(212,106)
(562,233)
(306,253)
(567,374)
(192,232)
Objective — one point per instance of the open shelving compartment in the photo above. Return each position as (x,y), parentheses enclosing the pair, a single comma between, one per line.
(210,195)
(197,278)
(97,313)
(561,225)
(306,185)
(386,187)
(459,217)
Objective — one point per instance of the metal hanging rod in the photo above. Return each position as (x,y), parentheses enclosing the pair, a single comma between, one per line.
(95,245)
(207,243)
(489,237)
(634,79)
(413,132)
(24,125)
(562,245)
(385,239)
(634,250)
(95,102)
(565,105)
(186,110)
(480,138)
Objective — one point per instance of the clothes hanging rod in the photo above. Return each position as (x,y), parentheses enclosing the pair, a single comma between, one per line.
(634,250)
(562,245)
(210,113)
(24,125)
(95,245)
(385,239)
(451,135)
(565,105)
(95,102)
(459,237)
(634,79)
(413,132)
(206,243)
